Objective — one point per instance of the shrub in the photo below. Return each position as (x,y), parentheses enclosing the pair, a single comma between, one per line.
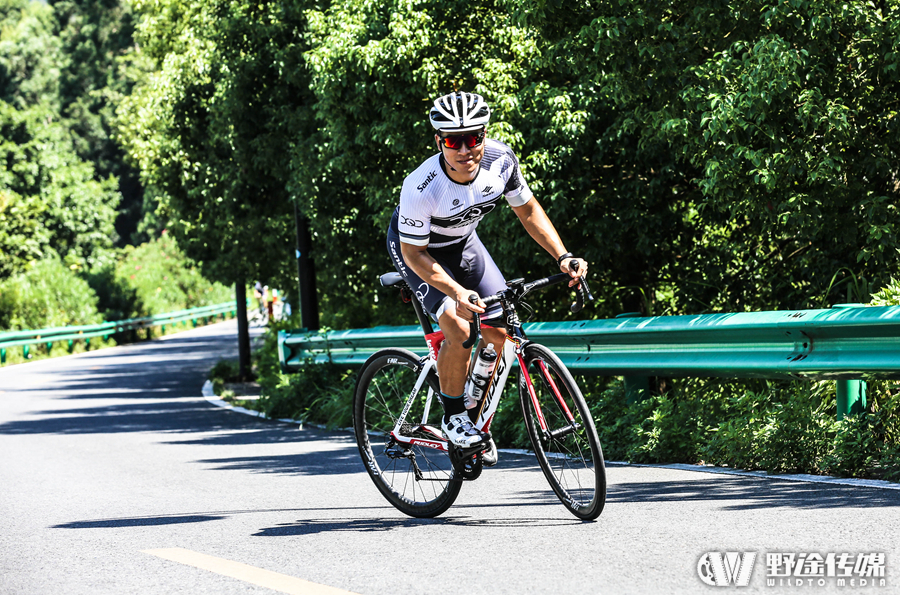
(157,278)
(318,393)
(48,294)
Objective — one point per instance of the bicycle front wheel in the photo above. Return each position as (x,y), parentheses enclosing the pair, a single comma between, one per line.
(416,479)
(562,432)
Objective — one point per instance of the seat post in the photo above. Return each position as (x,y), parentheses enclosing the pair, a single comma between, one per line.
(424,319)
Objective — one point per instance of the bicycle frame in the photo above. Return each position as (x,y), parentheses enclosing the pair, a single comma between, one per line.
(487,407)
(513,346)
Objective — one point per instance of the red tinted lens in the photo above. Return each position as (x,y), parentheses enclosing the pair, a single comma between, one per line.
(453,142)
(456,141)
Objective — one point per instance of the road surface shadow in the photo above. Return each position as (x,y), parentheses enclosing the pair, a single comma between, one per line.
(143,521)
(313,526)
(746,493)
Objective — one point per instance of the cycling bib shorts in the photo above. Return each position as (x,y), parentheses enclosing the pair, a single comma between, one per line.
(467,261)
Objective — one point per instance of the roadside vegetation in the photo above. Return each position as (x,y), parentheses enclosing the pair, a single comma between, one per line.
(704,156)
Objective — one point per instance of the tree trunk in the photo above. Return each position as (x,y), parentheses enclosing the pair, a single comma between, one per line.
(240,294)
(306,271)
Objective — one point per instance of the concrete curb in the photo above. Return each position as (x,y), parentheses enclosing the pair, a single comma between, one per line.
(210,396)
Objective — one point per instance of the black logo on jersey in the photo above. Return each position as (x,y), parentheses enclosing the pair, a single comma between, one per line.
(427,181)
(487,191)
(469,216)
(455,202)
(410,222)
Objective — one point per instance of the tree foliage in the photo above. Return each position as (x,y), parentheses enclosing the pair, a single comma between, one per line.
(209,129)
(705,155)
(96,36)
(781,114)
(51,201)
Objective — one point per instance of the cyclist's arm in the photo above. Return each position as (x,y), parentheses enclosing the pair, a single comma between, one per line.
(426,267)
(539,227)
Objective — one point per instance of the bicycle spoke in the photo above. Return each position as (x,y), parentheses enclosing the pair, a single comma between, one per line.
(567,451)
(415,479)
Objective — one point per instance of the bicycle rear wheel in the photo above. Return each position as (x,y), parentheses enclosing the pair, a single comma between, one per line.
(567,447)
(417,480)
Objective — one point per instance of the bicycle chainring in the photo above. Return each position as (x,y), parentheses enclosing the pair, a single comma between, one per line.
(468,464)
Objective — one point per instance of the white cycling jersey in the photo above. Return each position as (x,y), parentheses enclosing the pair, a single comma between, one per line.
(436,211)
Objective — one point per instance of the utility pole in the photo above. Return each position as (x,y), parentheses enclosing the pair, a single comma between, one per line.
(306,274)
(244,365)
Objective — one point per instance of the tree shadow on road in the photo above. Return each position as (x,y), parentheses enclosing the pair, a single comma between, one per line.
(746,493)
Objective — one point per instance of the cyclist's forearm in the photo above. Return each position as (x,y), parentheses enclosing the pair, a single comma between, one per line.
(540,228)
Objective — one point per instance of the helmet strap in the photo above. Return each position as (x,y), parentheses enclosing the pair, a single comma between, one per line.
(444,161)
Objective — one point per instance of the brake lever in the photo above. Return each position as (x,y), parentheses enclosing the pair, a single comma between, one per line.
(474,325)
(582,292)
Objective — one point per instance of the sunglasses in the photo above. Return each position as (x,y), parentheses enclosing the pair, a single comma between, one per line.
(456,141)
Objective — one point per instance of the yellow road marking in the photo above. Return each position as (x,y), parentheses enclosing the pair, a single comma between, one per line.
(249,574)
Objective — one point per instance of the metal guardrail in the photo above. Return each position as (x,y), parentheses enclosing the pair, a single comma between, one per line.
(70,334)
(845,343)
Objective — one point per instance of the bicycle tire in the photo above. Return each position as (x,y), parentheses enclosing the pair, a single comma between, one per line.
(572,462)
(383,386)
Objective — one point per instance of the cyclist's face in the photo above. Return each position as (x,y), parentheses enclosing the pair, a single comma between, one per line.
(465,160)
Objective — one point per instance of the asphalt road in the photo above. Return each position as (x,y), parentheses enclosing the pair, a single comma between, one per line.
(116,476)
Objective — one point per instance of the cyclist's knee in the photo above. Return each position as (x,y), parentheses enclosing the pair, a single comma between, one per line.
(455,328)
(493,335)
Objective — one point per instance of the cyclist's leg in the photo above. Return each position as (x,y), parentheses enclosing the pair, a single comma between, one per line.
(472,266)
(452,359)
(484,276)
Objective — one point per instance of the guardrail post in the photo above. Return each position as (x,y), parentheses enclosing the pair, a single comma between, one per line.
(49,346)
(851,397)
(637,388)
(2,355)
(26,351)
(851,394)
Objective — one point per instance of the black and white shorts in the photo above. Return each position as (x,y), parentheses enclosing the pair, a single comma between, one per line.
(467,261)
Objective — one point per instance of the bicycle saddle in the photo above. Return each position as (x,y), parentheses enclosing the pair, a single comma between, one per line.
(390,279)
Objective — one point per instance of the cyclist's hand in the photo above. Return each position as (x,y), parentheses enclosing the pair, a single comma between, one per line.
(465,307)
(575,273)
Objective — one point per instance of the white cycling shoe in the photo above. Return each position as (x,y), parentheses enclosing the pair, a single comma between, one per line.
(459,430)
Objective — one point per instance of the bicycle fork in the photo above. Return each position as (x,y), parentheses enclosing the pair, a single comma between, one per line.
(549,435)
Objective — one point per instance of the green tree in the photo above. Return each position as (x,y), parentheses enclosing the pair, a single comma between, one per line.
(96,36)
(51,201)
(208,133)
(780,113)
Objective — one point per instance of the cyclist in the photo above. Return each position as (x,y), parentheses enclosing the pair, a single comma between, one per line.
(433,244)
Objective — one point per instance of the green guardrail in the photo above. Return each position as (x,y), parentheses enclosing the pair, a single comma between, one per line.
(848,343)
(69,334)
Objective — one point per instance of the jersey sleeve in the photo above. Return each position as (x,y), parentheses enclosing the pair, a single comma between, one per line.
(414,223)
(516,191)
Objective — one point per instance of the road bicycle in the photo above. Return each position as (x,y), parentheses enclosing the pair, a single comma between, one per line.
(397,416)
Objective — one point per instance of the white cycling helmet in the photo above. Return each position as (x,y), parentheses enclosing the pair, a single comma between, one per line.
(459,112)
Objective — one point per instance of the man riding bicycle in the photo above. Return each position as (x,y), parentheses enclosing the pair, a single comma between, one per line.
(433,244)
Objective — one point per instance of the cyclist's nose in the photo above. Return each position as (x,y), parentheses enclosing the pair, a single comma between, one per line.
(464,149)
